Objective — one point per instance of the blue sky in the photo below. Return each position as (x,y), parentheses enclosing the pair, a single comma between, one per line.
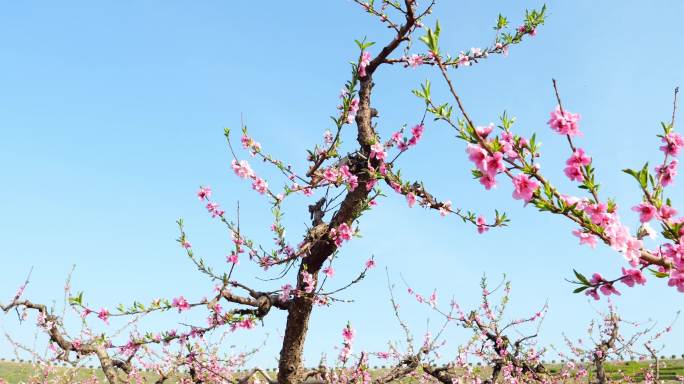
(112,114)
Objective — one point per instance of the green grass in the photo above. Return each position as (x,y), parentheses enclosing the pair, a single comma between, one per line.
(16,372)
(22,372)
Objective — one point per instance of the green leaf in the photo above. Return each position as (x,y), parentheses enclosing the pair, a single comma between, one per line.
(431,39)
(580,289)
(643,176)
(582,279)
(659,274)
(501,23)
(78,299)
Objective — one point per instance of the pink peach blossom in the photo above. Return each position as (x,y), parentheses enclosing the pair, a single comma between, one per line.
(378,151)
(564,122)
(260,185)
(415,61)
(411,199)
(204,193)
(585,238)
(481,225)
(363,63)
(524,187)
(673,143)
(646,212)
(633,276)
(242,169)
(180,303)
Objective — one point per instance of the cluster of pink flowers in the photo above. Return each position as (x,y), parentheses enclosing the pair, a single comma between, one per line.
(348,334)
(415,61)
(334,176)
(204,194)
(466,59)
(524,29)
(574,164)
(243,170)
(617,233)
(667,172)
(502,48)
(463,60)
(327,137)
(673,143)
(404,143)
(481,225)
(260,185)
(378,151)
(674,253)
(363,63)
(353,109)
(349,177)
(488,165)
(215,209)
(605,288)
(507,141)
(232,258)
(234,255)
(564,122)
(286,291)
(524,187)
(341,234)
(42,321)
(180,303)
(247,323)
(103,315)
(445,208)
(308,281)
(633,276)
(677,280)
(249,143)
(331,175)
(351,113)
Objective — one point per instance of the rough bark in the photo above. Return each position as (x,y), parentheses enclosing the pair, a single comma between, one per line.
(604,348)
(600,371)
(290,368)
(290,365)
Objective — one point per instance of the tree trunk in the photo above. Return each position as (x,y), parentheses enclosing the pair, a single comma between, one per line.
(290,366)
(600,371)
(290,369)
(655,359)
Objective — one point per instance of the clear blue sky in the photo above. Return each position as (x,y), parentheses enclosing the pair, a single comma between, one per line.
(112,115)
